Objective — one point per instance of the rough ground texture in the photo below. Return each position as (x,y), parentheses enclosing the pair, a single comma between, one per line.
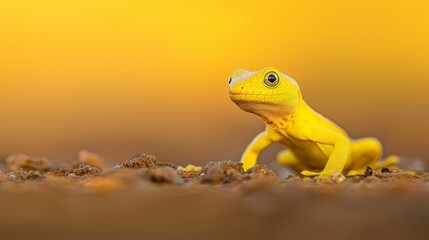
(142,198)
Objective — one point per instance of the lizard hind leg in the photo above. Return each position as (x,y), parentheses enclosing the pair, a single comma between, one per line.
(288,159)
(367,152)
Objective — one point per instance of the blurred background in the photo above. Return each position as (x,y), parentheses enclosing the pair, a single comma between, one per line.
(125,77)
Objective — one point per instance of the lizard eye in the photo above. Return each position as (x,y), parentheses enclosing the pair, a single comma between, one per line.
(271,79)
(229,80)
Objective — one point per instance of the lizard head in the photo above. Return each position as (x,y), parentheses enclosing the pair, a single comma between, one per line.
(267,93)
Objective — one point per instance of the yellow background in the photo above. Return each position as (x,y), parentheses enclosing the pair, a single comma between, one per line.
(123,77)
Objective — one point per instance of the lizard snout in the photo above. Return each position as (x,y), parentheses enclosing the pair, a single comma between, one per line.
(235,89)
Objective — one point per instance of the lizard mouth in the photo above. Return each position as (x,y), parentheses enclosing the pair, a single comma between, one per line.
(254,94)
(246,96)
(243,99)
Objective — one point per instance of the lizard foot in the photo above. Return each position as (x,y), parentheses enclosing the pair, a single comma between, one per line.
(387,162)
(327,176)
(317,174)
(309,173)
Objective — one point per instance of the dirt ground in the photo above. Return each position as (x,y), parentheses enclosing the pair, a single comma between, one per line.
(142,198)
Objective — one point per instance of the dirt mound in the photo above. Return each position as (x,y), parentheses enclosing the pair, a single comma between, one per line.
(141,161)
(25,168)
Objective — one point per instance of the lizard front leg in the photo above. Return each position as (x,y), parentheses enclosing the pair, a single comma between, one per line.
(250,155)
(258,144)
(339,155)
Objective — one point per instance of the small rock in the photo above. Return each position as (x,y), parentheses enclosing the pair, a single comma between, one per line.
(18,162)
(224,165)
(24,175)
(261,169)
(141,161)
(338,177)
(61,172)
(397,175)
(222,172)
(189,174)
(86,170)
(57,168)
(214,174)
(368,171)
(165,175)
(232,175)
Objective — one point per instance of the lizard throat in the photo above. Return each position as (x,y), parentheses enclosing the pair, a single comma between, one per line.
(269,112)
(276,111)
(276,122)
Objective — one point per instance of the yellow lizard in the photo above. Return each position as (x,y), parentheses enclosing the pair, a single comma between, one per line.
(315,146)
